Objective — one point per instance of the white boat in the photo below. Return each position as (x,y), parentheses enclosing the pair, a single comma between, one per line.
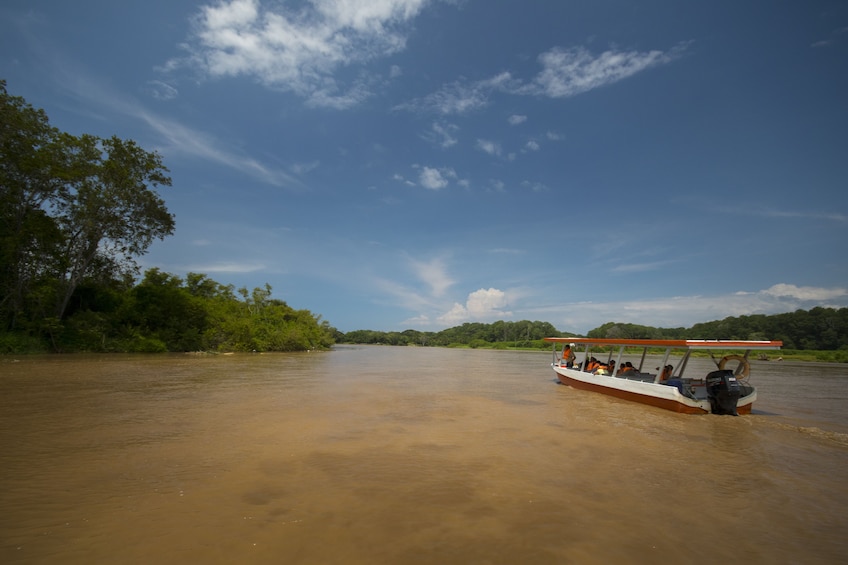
(622,372)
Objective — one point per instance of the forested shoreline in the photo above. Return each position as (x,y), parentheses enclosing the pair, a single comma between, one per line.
(817,334)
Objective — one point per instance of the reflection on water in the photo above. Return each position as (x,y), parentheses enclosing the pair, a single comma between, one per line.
(407,455)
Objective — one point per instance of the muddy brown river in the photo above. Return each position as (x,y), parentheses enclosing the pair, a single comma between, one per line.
(368,455)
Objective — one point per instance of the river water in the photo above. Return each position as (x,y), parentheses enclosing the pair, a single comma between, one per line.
(369,455)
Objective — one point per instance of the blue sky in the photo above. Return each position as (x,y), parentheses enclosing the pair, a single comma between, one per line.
(396,164)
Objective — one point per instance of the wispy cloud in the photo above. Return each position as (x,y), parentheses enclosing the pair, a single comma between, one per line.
(174,137)
(640,267)
(434,274)
(226,267)
(186,140)
(568,72)
(460,97)
(565,73)
(832,40)
(516,119)
(535,186)
(771,213)
(490,147)
(298,49)
(756,210)
(162,90)
(442,134)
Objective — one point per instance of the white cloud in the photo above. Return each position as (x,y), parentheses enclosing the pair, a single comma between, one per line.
(481,305)
(805,292)
(298,49)
(489,147)
(435,179)
(516,119)
(532,146)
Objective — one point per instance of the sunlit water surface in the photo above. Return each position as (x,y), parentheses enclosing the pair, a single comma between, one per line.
(408,455)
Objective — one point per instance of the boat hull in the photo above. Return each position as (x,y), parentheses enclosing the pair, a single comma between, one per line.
(649,393)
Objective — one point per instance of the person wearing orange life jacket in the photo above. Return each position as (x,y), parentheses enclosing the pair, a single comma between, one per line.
(626,367)
(666,373)
(568,356)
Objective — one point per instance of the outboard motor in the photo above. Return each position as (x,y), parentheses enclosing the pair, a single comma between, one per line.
(723,390)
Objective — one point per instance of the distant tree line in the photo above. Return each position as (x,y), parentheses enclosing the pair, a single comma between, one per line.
(820,329)
(75,212)
(504,334)
(823,329)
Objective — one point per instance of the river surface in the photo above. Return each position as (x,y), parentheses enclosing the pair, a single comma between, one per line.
(369,455)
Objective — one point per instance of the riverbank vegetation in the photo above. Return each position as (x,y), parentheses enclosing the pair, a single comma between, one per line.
(820,334)
(75,214)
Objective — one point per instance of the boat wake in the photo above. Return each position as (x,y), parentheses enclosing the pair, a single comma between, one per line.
(817,433)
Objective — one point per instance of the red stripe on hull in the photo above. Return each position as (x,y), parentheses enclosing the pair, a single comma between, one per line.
(635,397)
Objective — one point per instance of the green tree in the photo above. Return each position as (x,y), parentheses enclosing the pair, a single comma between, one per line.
(111,213)
(72,209)
(31,178)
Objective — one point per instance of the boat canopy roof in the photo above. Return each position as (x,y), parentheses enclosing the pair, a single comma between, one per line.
(674,343)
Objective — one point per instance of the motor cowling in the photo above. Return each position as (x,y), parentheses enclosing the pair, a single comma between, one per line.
(723,391)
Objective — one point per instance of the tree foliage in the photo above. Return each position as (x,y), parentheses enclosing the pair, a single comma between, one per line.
(473,334)
(72,210)
(164,312)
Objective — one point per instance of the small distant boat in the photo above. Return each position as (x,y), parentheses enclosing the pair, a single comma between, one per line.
(622,372)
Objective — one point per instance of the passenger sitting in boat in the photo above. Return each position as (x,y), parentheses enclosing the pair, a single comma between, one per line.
(668,370)
(626,367)
(592,365)
(603,369)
